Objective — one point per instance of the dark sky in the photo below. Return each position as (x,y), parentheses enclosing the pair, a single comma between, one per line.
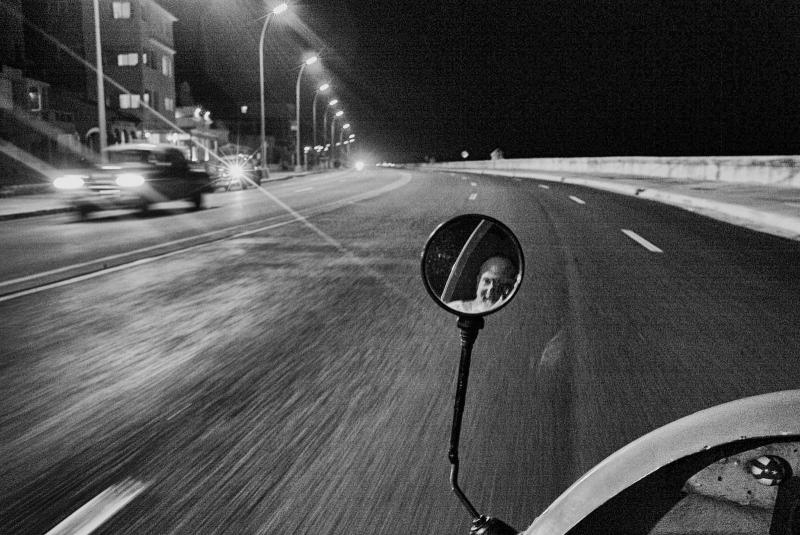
(535,78)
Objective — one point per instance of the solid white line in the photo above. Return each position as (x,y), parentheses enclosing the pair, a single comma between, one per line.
(641,241)
(89,517)
(577,200)
(473,196)
(302,189)
(543,186)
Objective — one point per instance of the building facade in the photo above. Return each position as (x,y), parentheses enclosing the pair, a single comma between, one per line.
(139,56)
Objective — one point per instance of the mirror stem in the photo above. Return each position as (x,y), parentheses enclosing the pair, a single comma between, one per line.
(469,328)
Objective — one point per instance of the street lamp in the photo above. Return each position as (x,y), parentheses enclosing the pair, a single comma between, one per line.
(101,97)
(277,11)
(309,61)
(322,88)
(333,126)
(345,126)
(333,102)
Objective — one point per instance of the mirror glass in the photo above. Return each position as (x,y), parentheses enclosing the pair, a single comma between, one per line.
(472,265)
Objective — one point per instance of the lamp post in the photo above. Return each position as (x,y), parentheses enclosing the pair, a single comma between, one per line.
(345,126)
(333,102)
(322,88)
(101,96)
(310,61)
(333,126)
(264,161)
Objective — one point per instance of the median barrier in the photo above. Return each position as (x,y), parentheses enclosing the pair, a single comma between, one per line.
(781,171)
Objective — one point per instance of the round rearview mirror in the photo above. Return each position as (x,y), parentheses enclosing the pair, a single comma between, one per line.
(472,265)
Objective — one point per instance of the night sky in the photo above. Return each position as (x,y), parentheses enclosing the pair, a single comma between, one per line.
(534,78)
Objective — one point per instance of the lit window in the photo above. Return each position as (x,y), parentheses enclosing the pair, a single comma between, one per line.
(126,60)
(146,98)
(127,101)
(144,58)
(122,10)
(169,104)
(166,65)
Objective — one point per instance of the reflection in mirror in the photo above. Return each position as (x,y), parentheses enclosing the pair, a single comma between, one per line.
(472,265)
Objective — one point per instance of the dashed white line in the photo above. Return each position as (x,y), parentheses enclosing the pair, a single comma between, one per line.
(577,200)
(544,186)
(105,505)
(641,241)
(302,189)
(473,196)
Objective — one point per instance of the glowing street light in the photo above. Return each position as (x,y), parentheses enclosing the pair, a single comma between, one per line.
(331,103)
(333,126)
(309,61)
(277,11)
(322,89)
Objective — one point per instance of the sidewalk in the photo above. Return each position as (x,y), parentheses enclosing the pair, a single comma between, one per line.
(19,206)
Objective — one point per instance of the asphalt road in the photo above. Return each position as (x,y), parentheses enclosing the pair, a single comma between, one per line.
(294,377)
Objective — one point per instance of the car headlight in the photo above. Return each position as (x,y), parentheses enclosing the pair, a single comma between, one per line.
(236,171)
(129,180)
(68,182)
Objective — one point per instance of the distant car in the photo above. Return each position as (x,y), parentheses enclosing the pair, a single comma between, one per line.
(234,171)
(136,176)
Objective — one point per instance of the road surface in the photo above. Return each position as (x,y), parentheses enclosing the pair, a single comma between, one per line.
(274,364)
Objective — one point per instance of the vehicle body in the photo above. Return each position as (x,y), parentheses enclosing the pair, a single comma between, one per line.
(729,469)
(137,175)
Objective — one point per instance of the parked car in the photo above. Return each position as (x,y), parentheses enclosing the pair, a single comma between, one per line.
(136,176)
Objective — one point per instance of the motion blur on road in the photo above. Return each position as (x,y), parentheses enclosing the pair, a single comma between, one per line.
(274,365)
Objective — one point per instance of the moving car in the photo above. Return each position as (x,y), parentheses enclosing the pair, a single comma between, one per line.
(137,175)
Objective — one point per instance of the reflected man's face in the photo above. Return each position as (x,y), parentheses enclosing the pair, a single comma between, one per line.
(496,280)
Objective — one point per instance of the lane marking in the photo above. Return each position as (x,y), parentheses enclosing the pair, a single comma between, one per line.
(543,186)
(473,184)
(577,200)
(641,241)
(105,505)
(473,196)
(302,189)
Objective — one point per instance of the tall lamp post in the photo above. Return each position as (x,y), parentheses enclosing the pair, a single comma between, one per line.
(101,96)
(322,88)
(333,126)
(310,61)
(333,102)
(264,161)
(345,126)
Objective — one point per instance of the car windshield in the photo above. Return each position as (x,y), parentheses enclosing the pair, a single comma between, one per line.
(233,336)
(132,156)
